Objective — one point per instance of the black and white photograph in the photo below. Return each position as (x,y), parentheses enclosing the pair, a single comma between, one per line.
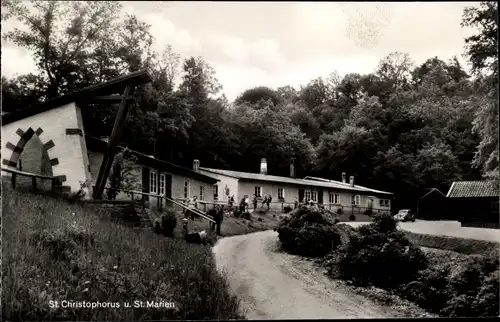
(206,160)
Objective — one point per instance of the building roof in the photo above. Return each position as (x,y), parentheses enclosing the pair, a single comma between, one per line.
(295,181)
(473,189)
(431,191)
(110,87)
(347,185)
(98,145)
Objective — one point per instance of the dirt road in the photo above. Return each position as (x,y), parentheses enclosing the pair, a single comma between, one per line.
(272,285)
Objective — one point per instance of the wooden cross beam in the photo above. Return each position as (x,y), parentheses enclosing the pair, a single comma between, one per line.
(109,155)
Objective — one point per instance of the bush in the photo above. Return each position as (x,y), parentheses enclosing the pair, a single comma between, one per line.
(381,256)
(287,209)
(339,211)
(168,223)
(336,220)
(473,288)
(368,212)
(236,213)
(352,218)
(308,232)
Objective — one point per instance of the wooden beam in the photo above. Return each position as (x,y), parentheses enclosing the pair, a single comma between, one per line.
(109,155)
(112,99)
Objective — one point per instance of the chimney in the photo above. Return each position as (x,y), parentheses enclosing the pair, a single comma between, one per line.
(344,177)
(351,181)
(263,166)
(292,167)
(196,165)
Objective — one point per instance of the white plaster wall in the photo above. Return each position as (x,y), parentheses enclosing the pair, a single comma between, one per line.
(225,181)
(68,149)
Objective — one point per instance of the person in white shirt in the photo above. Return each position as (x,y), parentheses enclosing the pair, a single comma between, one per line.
(193,204)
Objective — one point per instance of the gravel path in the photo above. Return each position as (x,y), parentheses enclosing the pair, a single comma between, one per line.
(274,285)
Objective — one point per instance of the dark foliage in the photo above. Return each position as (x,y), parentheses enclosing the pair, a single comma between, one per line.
(309,232)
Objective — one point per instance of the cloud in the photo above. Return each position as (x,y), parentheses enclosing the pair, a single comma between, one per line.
(273,44)
(16,61)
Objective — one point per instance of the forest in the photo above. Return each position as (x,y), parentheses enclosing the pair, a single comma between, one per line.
(403,128)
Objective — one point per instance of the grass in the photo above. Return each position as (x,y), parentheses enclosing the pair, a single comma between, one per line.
(455,244)
(59,251)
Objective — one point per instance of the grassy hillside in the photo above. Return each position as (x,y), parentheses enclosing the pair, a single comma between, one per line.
(58,251)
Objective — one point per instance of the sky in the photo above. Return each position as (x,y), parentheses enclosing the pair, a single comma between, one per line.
(275,44)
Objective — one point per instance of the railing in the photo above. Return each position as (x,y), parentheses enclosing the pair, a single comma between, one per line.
(14,173)
(159,201)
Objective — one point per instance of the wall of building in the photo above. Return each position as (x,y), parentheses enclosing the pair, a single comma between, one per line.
(60,130)
(225,182)
(292,191)
(132,173)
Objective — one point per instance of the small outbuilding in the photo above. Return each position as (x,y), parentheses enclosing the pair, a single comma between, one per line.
(475,203)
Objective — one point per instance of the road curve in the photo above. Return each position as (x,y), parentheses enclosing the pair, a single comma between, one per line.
(271,286)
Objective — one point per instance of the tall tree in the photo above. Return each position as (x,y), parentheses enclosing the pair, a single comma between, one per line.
(482,51)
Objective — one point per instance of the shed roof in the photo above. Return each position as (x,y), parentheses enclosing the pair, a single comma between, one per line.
(473,189)
(96,144)
(110,87)
(294,181)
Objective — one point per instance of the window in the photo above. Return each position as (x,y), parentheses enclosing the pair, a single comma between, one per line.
(314,196)
(153,183)
(384,202)
(258,191)
(356,200)
(281,193)
(216,192)
(202,192)
(494,207)
(307,195)
(161,184)
(334,198)
(186,189)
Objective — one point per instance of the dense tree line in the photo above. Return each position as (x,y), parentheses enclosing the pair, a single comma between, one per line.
(402,128)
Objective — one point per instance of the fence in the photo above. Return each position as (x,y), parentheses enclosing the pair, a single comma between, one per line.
(34,184)
(162,202)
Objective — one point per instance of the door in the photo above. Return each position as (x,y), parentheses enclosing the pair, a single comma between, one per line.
(145,183)
(168,186)
(370,204)
(320,197)
(301,195)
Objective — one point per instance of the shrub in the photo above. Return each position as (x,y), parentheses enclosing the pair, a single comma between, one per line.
(287,209)
(457,285)
(168,223)
(381,256)
(336,220)
(368,212)
(339,211)
(236,213)
(352,217)
(473,288)
(308,232)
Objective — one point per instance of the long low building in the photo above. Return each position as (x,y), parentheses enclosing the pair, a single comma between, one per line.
(285,190)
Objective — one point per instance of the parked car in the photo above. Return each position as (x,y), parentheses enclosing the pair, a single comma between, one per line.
(405,215)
